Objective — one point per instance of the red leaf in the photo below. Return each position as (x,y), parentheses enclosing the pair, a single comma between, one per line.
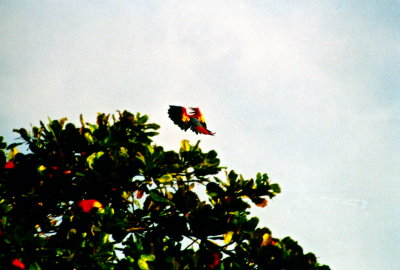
(139,194)
(88,205)
(9,165)
(216,260)
(18,263)
(263,203)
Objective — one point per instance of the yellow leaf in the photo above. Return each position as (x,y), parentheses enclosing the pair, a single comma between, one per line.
(63,120)
(41,168)
(89,137)
(90,159)
(105,238)
(70,233)
(141,158)
(142,262)
(135,229)
(185,146)
(228,237)
(266,239)
(12,153)
(165,178)
(97,204)
(126,195)
(150,149)
(170,195)
(123,151)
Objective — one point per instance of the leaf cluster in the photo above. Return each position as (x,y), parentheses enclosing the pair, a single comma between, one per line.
(103,196)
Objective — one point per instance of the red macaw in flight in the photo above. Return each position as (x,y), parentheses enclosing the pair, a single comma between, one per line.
(195,120)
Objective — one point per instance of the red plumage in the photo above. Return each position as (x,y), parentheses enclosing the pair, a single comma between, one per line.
(193,121)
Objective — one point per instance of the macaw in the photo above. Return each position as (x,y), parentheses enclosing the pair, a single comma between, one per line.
(195,120)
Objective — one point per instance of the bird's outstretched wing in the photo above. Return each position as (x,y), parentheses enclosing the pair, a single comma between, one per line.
(179,116)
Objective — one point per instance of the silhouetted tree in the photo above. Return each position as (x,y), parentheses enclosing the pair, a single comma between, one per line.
(103,196)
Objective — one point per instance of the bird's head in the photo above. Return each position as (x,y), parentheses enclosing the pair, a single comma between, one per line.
(194,110)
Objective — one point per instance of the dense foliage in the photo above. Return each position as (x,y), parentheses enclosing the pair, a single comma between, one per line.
(103,196)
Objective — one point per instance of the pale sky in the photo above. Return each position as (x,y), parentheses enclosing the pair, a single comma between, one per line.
(306,91)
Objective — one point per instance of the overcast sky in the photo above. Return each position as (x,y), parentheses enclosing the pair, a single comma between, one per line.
(306,91)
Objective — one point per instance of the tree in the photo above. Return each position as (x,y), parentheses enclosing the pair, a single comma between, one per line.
(103,196)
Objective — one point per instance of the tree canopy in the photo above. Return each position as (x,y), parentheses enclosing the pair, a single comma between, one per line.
(104,196)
